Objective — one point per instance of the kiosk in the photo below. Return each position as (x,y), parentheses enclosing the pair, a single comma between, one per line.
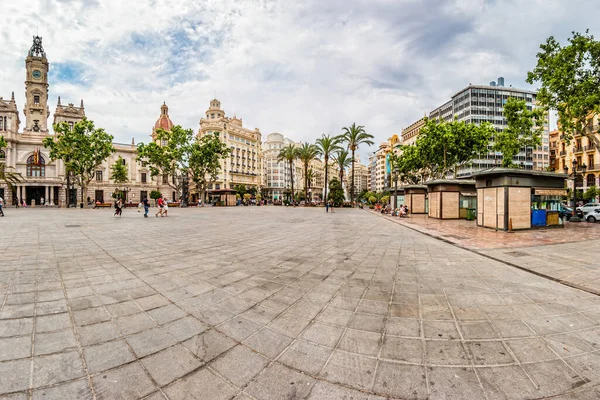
(452,198)
(415,197)
(510,198)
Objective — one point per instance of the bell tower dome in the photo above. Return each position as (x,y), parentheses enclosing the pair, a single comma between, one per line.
(36,90)
(163,121)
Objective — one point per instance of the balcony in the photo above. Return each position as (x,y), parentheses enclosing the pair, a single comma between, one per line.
(577,149)
(594,167)
(563,153)
(591,147)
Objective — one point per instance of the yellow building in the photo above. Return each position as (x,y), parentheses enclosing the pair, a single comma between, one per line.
(410,133)
(244,166)
(584,151)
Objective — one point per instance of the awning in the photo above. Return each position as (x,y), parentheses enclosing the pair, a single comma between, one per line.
(551,192)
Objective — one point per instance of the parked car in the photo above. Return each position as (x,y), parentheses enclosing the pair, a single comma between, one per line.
(589,207)
(593,215)
(565,212)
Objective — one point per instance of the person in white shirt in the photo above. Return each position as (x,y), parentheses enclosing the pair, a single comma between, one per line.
(166,207)
(1,204)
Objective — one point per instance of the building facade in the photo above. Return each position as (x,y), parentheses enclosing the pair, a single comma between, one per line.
(245,164)
(410,133)
(485,103)
(277,180)
(44,180)
(584,151)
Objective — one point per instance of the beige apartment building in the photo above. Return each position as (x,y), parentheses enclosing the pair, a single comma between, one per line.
(245,165)
(277,179)
(584,151)
(410,133)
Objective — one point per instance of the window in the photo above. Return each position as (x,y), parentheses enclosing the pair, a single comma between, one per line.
(144,164)
(591,161)
(36,99)
(163,142)
(123,162)
(2,155)
(165,179)
(1,124)
(144,177)
(71,125)
(5,124)
(98,176)
(36,169)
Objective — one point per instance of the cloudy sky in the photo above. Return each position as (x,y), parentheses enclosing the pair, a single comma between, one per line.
(298,67)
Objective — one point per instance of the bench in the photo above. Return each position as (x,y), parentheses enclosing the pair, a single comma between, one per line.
(173,204)
(102,205)
(130,205)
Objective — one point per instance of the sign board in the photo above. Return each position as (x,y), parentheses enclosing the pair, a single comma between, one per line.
(551,192)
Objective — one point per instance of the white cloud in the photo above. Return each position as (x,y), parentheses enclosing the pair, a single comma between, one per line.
(299,68)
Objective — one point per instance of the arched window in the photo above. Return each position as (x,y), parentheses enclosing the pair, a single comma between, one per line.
(2,155)
(591,180)
(36,170)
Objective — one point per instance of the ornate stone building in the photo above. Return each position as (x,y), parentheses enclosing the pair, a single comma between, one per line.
(244,166)
(44,179)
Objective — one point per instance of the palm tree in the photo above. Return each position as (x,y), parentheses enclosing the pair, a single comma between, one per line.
(289,153)
(11,178)
(326,146)
(355,136)
(342,159)
(306,153)
(309,177)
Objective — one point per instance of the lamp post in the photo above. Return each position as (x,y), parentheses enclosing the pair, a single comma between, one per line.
(574,175)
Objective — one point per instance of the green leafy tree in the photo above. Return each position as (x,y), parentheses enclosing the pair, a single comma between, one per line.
(82,148)
(205,158)
(7,174)
(336,193)
(258,197)
(289,154)
(306,153)
(119,172)
(247,197)
(385,199)
(570,83)
(327,146)
(355,136)
(591,193)
(155,195)
(362,195)
(524,130)
(372,199)
(171,159)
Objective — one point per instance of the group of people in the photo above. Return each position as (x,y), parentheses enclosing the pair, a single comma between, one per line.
(401,211)
(162,203)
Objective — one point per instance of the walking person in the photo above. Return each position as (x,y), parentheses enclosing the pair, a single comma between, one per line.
(161,205)
(327,207)
(16,201)
(1,204)
(165,207)
(118,208)
(146,207)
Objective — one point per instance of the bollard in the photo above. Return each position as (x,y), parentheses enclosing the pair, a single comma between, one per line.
(510,229)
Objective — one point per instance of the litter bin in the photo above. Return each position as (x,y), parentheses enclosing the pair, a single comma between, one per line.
(470,214)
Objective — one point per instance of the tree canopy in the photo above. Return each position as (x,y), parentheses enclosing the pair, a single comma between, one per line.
(119,171)
(205,158)
(336,193)
(354,136)
(6,173)
(524,130)
(82,148)
(306,153)
(442,146)
(326,147)
(570,82)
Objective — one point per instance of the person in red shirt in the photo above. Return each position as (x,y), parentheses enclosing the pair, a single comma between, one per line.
(161,206)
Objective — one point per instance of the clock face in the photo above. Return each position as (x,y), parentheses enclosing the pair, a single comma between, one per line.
(37,74)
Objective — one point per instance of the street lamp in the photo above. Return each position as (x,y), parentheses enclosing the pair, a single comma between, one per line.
(574,175)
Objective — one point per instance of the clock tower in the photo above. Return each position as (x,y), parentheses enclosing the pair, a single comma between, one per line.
(36,90)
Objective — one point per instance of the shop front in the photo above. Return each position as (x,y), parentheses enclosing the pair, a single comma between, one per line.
(510,199)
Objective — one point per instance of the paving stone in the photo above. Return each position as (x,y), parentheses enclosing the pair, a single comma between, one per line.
(166,314)
(15,375)
(209,345)
(14,327)
(55,342)
(239,365)
(507,382)
(78,389)
(279,382)
(134,323)
(15,347)
(350,369)
(360,342)
(127,382)
(107,355)
(90,316)
(401,349)
(150,341)
(97,333)
(56,368)
(446,383)
(170,364)
(200,385)
(400,380)
(306,357)
(403,327)
(185,328)
(440,352)
(531,350)
(325,335)
(328,391)
(365,322)
(554,377)
(48,323)
(268,342)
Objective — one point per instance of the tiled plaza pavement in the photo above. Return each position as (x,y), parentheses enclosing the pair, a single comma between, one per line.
(277,303)
(568,255)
